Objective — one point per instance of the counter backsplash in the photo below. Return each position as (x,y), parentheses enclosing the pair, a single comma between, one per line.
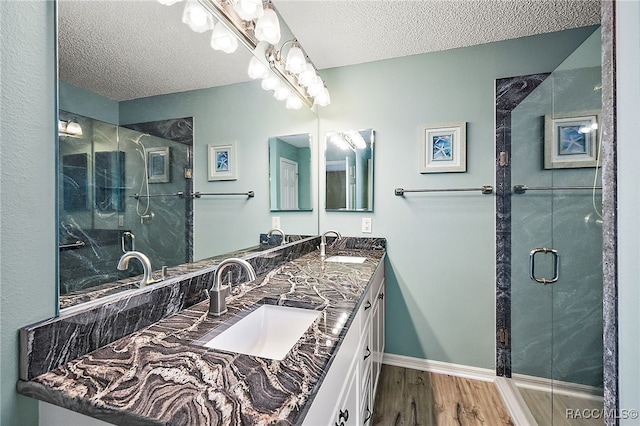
(51,343)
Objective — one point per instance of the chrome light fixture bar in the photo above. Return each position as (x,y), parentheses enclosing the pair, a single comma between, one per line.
(299,82)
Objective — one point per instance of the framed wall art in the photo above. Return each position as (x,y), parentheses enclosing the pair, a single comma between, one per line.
(443,148)
(571,140)
(222,162)
(158,165)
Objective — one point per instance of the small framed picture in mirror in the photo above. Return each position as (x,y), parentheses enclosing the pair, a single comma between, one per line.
(443,148)
(158,165)
(222,162)
(571,140)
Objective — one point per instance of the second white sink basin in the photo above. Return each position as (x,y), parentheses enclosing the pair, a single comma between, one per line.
(346,259)
(268,332)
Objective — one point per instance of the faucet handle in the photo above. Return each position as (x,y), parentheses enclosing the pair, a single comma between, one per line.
(217,300)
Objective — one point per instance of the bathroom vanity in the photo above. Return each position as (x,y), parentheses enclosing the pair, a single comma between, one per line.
(169,373)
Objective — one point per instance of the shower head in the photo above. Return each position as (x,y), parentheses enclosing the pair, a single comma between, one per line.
(137,141)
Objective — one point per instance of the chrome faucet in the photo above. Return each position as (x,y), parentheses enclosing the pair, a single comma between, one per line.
(323,241)
(123,264)
(272,230)
(218,294)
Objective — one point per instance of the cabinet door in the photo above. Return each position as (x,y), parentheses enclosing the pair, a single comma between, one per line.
(367,399)
(347,411)
(377,335)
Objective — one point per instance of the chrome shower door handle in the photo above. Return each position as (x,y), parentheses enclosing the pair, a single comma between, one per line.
(556,265)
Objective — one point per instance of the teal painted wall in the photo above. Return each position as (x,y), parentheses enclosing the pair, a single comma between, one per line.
(628,110)
(28,187)
(250,116)
(441,247)
(80,101)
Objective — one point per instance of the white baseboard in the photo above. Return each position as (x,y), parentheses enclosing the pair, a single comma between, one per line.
(440,367)
(517,407)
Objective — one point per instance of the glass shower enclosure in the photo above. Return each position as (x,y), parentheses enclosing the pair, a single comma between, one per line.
(118,191)
(550,329)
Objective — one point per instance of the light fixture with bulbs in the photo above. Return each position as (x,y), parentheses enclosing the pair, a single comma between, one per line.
(352,140)
(254,23)
(69,128)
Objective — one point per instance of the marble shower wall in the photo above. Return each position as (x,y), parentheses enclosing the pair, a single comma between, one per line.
(509,93)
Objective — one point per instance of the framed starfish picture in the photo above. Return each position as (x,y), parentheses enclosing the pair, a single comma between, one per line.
(222,162)
(571,140)
(443,148)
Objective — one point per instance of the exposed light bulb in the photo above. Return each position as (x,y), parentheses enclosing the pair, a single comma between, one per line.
(257,69)
(270,83)
(316,86)
(168,2)
(281,92)
(222,39)
(248,10)
(337,140)
(356,139)
(197,17)
(307,75)
(323,98)
(293,102)
(74,128)
(268,27)
(295,60)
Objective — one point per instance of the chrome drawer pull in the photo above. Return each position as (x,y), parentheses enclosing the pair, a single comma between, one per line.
(368,354)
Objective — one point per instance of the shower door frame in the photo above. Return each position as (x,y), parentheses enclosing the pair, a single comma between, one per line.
(509,93)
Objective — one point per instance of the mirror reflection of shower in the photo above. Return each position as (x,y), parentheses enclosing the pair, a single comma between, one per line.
(143,192)
(110,181)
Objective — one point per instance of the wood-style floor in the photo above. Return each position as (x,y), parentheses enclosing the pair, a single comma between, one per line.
(413,397)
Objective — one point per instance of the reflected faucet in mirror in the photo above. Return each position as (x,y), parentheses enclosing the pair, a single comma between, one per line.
(281,232)
(123,264)
(323,241)
(218,294)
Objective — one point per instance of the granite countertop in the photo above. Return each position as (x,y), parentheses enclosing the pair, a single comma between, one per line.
(159,376)
(97,292)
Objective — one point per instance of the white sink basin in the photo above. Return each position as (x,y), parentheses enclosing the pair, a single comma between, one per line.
(346,259)
(268,332)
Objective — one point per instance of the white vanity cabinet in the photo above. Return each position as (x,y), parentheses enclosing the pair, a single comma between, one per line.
(347,393)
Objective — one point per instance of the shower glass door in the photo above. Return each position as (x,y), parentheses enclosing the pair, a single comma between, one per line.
(118,191)
(556,244)
(154,213)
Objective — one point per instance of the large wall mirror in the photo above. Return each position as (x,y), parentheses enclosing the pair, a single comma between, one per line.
(148,110)
(349,170)
(290,172)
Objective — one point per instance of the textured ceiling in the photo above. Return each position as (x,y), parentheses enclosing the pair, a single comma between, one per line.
(137,48)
